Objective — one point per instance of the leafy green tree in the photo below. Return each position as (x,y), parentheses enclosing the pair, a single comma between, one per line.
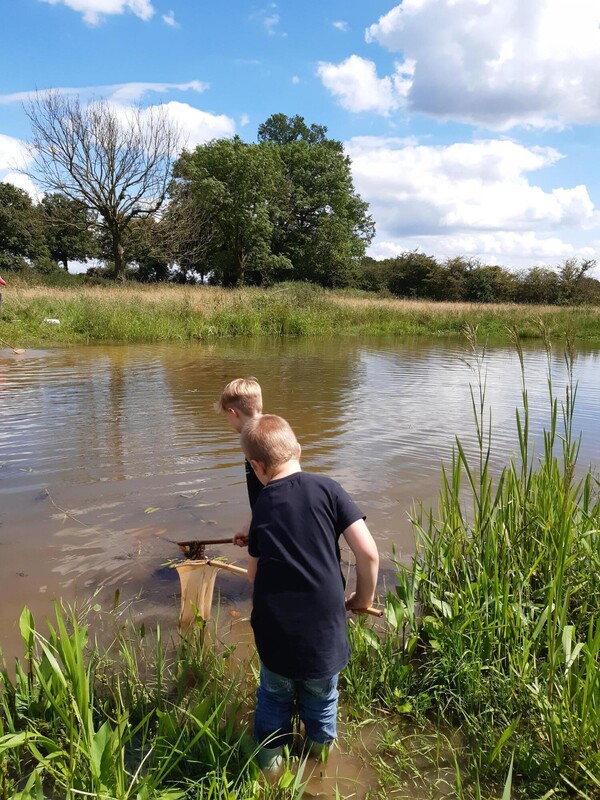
(149,261)
(489,284)
(68,229)
(21,233)
(538,285)
(589,289)
(570,278)
(453,278)
(412,274)
(237,186)
(325,228)
(373,275)
(282,129)
(187,231)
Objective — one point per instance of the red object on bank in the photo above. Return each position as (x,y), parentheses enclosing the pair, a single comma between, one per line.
(2,283)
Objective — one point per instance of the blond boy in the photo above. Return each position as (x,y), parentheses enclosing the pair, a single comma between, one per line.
(299,608)
(241,401)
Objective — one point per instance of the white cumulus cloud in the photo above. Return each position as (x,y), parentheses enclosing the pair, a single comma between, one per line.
(496,64)
(93,10)
(13,153)
(199,126)
(357,86)
(467,199)
(193,125)
(24,182)
(14,160)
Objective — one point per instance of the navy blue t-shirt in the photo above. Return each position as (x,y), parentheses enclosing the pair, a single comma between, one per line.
(253,484)
(299,614)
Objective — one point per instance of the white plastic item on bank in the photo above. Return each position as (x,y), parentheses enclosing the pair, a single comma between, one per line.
(52,321)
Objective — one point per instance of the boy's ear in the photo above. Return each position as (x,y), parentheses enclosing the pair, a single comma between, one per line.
(258,467)
(299,452)
(232,412)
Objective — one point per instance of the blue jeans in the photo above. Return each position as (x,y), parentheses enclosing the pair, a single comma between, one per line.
(275,704)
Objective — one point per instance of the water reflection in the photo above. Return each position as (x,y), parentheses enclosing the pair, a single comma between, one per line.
(107,453)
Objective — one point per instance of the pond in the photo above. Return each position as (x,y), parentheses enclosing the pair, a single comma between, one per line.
(111,454)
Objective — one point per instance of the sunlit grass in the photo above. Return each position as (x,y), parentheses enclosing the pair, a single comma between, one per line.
(140,313)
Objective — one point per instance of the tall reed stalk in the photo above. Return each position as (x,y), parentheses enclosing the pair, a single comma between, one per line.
(503,599)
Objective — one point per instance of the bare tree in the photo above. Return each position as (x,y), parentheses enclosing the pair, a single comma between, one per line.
(115,161)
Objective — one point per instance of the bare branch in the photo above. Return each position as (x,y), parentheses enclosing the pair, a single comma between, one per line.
(116,161)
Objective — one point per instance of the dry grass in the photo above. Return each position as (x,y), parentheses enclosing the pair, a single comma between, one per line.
(201,298)
(406,305)
(165,312)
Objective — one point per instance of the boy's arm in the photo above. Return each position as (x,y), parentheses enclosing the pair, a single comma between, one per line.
(365,552)
(241,537)
(252,565)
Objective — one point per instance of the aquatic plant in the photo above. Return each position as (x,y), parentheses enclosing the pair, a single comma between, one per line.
(510,630)
(136,718)
(495,627)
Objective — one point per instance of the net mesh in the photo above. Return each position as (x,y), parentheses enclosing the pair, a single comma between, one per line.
(197,588)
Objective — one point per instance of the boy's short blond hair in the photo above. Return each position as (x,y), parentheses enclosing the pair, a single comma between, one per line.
(243,394)
(270,440)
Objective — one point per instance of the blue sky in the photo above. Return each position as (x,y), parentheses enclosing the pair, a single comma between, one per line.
(473,125)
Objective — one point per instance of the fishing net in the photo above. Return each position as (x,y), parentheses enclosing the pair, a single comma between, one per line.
(197,586)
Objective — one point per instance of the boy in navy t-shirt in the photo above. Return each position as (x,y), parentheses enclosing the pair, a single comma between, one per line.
(299,608)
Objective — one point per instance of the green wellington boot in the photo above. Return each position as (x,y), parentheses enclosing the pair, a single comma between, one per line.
(270,759)
(318,750)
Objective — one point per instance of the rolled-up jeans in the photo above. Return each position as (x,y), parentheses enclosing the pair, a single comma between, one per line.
(275,704)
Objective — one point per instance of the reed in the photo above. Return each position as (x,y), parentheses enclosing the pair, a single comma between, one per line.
(136,718)
(139,313)
(496,625)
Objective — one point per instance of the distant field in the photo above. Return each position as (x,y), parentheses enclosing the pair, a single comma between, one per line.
(140,313)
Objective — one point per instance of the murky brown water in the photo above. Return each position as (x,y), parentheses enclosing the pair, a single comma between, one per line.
(110,454)
(107,453)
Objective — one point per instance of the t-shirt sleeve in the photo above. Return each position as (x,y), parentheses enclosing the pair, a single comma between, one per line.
(253,484)
(253,549)
(347,510)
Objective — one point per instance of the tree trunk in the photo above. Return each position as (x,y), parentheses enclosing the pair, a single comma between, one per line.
(240,258)
(118,257)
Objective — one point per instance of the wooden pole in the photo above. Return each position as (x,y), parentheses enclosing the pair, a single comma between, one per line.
(372,612)
(18,350)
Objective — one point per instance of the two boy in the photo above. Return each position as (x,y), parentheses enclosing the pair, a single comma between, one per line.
(299,606)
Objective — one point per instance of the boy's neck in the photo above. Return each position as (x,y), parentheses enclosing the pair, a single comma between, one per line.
(240,419)
(285,469)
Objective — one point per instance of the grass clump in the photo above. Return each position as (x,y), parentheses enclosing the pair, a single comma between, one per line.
(496,626)
(139,718)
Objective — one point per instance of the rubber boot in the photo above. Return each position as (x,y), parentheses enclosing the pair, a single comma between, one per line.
(270,759)
(319,750)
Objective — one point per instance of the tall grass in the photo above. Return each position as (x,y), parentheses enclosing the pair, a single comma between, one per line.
(138,718)
(137,313)
(496,626)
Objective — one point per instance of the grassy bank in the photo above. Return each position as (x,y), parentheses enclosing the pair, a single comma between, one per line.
(495,630)
(137,313)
